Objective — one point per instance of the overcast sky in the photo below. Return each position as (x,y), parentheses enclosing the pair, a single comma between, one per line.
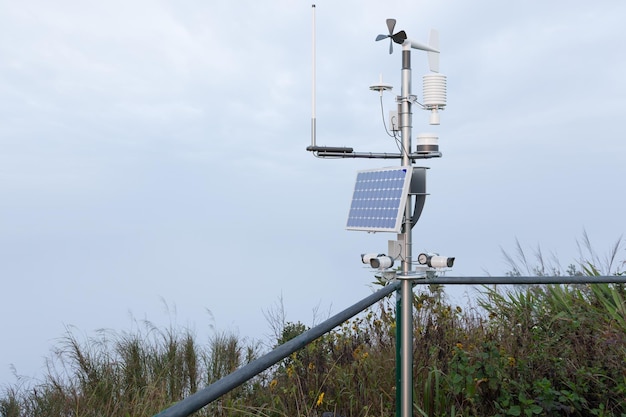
(153,163)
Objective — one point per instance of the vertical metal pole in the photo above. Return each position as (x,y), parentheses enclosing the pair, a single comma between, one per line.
(398,353)
(406,347)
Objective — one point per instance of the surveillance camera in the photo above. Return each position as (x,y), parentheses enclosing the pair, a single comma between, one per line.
(366,258)
(435,261)
(377,260)
(382,262)
(441,262)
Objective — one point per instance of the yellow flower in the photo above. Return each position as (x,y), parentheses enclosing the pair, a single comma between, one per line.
(320,400)
(273,383)
(311,366)
(511,361)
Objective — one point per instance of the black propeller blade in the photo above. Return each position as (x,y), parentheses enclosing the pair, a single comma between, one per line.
(398,38)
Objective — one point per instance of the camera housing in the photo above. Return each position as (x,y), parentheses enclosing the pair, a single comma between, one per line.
(435,261)
(366,258)
(382,262)
(377,261)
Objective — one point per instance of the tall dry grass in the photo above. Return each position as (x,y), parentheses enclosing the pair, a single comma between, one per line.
(124,374)
(524,351)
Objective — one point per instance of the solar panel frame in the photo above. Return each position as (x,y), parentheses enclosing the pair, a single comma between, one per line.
(379,199)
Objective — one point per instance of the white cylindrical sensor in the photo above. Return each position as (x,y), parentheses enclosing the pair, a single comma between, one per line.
(427,142)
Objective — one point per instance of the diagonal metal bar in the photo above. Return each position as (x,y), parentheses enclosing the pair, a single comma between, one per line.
(209,394)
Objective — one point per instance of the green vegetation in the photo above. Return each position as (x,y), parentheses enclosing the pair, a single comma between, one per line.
(534,350)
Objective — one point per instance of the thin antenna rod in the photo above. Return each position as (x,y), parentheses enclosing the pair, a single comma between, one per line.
(313,115)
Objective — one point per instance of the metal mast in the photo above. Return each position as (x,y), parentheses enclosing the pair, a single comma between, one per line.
(406,291)
(403,228)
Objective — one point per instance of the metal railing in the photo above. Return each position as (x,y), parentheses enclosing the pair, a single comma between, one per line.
(530,280)
(209,394)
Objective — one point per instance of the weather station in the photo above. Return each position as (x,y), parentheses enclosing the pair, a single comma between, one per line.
(386,200)
(391,199)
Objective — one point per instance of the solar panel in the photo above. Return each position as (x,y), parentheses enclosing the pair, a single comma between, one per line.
(379,199)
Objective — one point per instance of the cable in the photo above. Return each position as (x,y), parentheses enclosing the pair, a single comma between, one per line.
(392,135)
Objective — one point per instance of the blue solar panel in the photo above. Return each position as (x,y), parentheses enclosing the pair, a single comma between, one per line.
(379,199)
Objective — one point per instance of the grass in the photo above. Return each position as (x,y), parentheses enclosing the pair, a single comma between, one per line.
(531,350)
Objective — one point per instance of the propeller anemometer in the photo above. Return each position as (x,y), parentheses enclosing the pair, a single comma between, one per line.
(398,38)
